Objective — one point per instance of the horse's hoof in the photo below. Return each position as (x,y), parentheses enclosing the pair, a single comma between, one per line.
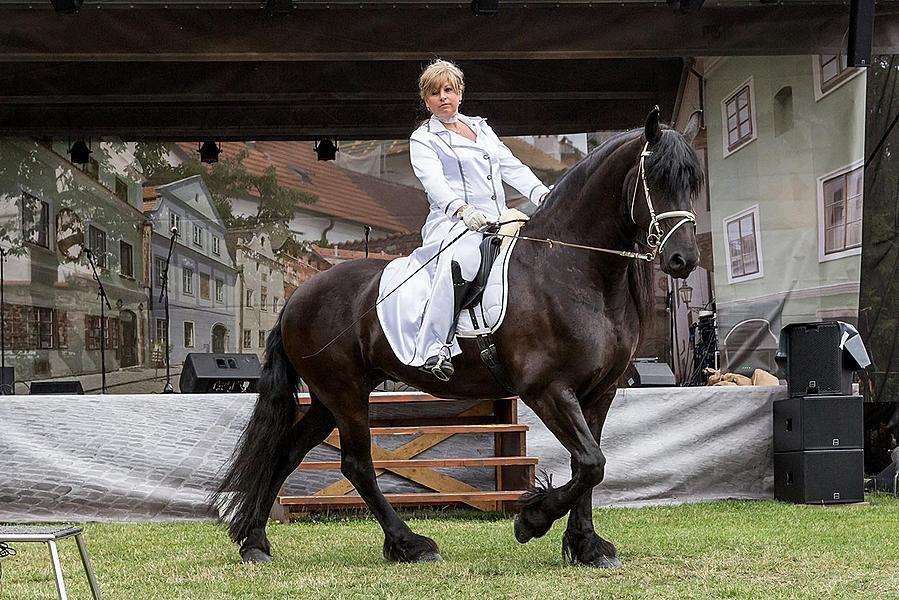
(428,557)
(606,562)
(255,555)
(521,533)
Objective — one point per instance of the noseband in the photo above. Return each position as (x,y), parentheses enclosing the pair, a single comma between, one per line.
(654,239)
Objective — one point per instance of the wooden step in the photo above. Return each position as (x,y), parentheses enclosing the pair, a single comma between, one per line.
(491,461)
(452,429)
(411,498)
(393,397)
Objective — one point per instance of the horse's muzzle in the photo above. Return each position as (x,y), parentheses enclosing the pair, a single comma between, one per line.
(680,264)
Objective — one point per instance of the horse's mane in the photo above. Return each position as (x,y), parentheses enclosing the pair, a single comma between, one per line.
(673,166)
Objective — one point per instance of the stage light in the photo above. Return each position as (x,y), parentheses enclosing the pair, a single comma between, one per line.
(279,7)
(80,153)
(325,149)
(484,8)
(66,7)
(209,152)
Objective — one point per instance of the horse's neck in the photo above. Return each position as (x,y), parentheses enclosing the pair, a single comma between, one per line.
(592,214)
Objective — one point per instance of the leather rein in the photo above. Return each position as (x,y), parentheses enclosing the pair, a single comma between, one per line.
(655,236)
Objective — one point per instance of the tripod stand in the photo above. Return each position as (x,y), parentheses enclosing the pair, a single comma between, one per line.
(104,304)
(164,297)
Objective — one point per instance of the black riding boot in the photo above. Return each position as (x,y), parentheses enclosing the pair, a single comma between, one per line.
(441,366)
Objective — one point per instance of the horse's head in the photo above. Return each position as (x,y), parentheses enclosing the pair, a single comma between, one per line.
(668,178)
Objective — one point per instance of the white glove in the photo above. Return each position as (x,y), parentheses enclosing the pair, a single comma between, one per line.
(472,217)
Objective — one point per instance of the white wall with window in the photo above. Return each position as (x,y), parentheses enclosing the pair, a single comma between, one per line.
(187,280)
(830,71)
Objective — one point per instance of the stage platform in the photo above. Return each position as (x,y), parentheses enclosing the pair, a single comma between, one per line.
(156,457)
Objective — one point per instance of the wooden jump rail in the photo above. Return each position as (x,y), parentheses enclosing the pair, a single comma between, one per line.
(514,471)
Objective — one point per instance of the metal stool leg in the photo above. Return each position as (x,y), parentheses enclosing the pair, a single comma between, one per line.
(86,561)
(57,571)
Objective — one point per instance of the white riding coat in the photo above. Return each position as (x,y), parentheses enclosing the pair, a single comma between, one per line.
(454,171)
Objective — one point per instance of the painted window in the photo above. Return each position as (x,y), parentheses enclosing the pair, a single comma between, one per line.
(247,338)
(219,290)
(198,236)
(43,327)
(161,331)
(121,189)
(98,245)
(126,259)
(738,113)
(249,303)
(188,280)
(274,304)
(263,298)
(744,255)
(92,333)
(174,221)
(216,246)
(261,338)
(92,169)
(204,286)
(188,334)
(159,266)
(840,212)
(35,220)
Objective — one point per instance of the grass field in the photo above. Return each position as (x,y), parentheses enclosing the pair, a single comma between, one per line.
(732,549)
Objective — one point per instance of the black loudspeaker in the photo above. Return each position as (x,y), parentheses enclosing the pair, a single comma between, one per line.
(7,381)
(814,360)
(49,388)
(207,373)
(820,476)
(861,33)
(650,374)
(819,423)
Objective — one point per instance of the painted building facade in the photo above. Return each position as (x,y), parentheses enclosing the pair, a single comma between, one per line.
(202,278)
(785,148)
(50,211)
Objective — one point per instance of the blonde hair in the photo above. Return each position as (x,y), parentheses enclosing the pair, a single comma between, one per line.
(436,74)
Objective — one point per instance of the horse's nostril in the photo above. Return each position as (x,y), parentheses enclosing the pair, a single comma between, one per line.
(677,262)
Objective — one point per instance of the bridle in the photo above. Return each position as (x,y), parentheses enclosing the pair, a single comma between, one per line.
(654,239)
(654,234)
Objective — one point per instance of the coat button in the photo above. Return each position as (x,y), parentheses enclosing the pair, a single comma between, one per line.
(487,156)
(493,197)
(490,177)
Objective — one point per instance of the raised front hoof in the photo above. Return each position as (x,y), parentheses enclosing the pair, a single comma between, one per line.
(589,550)
(255,555)
(530,524)
(410,549)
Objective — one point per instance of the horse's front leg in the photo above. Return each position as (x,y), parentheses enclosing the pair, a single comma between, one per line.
(559,409)
(580,543)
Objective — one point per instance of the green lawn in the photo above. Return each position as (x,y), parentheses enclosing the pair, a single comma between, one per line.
(733,549)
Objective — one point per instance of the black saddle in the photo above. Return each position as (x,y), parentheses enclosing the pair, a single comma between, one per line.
(474,289)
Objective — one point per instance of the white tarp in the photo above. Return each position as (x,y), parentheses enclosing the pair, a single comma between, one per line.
(156,457)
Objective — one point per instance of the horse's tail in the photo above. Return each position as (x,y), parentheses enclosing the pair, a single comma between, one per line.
(246,485)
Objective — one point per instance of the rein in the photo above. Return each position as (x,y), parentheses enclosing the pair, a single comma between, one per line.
(654,235)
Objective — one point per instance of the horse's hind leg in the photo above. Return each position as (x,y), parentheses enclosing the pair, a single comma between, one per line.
(305,435)
(400,543)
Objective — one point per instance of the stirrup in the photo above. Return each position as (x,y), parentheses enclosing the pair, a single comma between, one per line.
(439,366)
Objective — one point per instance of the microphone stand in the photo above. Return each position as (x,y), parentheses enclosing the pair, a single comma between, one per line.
(104,304)
(367,232)
(164,297)
(3,253)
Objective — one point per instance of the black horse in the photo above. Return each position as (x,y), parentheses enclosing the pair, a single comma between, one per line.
(578,317)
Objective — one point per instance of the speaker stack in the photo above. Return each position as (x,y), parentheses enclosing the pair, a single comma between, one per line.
(219,373)
(819,428)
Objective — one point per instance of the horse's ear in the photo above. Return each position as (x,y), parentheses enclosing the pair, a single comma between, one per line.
(693,125)
(652,131)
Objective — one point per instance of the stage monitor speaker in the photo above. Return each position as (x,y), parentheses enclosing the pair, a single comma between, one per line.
(814,360)
(818,423)
(861,33)
(219,373)
(650,374)
(820,476)
(49,388)
(7,381)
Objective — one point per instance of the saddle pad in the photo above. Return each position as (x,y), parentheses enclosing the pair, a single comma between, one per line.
(492,309)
